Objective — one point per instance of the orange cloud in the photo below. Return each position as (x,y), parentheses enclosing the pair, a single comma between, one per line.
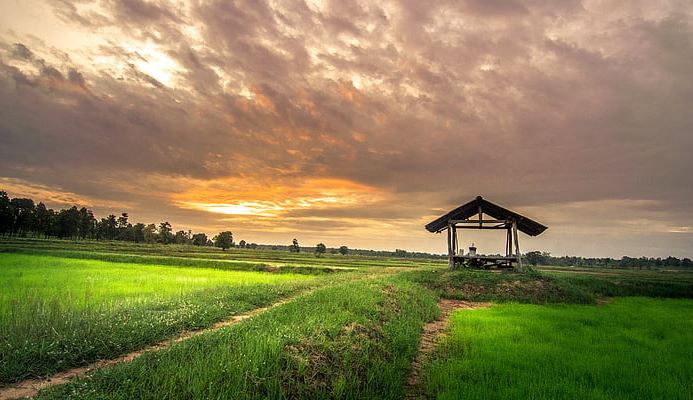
(238,196)
(20,188)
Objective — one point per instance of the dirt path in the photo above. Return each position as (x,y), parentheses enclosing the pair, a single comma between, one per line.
(429,338)
(30,387)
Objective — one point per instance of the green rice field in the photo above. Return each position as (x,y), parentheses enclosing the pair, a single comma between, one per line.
(58,312)
(631,348)
(341,327)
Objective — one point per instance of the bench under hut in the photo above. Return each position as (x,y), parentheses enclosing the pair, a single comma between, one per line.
(471,216)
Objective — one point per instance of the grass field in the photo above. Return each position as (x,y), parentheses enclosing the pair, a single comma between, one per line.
(632,348)
(347,341)
(58,312)
(350,330)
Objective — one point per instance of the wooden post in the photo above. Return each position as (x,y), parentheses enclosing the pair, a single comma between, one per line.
(454,240)
(480,214)
(451,259)
(517,247)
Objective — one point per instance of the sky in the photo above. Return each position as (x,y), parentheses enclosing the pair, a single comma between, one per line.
(354,122)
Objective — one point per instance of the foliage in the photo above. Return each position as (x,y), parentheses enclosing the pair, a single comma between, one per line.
(545,258)
(199,239)
(294,248)
(20,217)
(224,240)
(343,250)
(320,249)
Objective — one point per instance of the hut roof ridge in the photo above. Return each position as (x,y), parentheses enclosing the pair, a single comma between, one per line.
(524,224)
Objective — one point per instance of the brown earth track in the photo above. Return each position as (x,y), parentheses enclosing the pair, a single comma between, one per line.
(30,387)
(429,339)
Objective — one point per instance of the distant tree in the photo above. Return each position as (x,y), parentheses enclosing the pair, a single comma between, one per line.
(138,232)
(242,244)
(294,248)
(23,214)
(251,246)
(6,217)
(224,240)
(534,258)
(320,249)
(111,227)
(199,239)
(44,219)
(165,235)
(68,223)
(87,223)
(181,237)
(149,234)
(343,250)
(123,221)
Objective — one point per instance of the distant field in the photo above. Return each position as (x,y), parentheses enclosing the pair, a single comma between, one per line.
(211,257)
(58,312)
(633,348)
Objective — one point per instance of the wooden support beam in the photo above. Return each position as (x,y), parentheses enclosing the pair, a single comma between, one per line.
(480,216)
(517,247)
(451,258)
(485,221)
(484,227)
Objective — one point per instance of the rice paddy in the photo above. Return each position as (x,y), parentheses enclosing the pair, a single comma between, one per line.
(630,348)
(344,327)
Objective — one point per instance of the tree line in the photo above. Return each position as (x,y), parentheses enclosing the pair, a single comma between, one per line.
(545,258)
(22,217)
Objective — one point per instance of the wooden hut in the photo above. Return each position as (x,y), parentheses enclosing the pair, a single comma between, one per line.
(471,216)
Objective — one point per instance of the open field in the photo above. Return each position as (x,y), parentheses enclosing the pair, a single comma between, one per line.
(344,326)
(59,312)
(631,348)
(186,255)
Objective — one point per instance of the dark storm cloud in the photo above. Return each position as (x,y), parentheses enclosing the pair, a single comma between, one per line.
(21,51)
(531,102)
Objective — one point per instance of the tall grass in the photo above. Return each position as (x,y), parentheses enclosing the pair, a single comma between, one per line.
(350,341)
(633,348)
(57,313)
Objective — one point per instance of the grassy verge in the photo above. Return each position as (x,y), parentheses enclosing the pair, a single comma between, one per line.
(475,285)
(631,348)
(59,313)
(625,285)
(542,288)
(354,340)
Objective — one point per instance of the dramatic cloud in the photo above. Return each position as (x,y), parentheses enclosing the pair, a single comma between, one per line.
(357,122)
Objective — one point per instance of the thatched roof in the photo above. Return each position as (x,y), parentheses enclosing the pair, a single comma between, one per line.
(470,209)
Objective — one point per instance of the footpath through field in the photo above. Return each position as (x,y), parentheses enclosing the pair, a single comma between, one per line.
(30,387)
(430,337)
